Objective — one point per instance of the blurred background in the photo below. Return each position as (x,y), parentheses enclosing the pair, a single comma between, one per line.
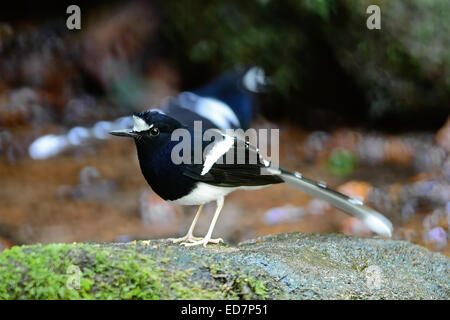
(367,111)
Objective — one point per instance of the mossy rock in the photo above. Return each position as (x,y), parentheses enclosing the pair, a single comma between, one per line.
(286,266)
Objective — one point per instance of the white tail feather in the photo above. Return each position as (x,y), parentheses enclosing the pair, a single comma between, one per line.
(374,220)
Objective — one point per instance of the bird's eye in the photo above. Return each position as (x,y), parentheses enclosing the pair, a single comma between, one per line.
(154,131)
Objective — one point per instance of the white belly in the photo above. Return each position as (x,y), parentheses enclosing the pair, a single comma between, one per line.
(205,193)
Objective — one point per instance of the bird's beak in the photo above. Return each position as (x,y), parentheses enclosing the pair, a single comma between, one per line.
(124,133)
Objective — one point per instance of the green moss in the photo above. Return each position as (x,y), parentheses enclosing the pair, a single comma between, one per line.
(104,272)
(239,285)
(258,287)
(50,272)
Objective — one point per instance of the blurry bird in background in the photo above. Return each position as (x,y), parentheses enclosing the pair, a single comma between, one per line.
(227,102)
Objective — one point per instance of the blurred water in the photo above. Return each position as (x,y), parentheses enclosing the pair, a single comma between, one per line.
(51,145)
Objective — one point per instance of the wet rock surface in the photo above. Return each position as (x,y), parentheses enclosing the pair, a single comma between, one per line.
(286,266)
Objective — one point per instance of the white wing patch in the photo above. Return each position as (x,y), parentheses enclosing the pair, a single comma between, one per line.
(140,124)
(217,151)
(216,111)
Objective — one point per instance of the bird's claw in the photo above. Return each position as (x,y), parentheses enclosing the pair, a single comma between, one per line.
(203,242)
(186,238)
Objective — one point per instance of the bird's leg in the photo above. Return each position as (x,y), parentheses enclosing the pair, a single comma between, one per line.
(207,239)
(190,236)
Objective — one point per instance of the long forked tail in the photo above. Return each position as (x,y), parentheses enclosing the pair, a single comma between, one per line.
(374,220)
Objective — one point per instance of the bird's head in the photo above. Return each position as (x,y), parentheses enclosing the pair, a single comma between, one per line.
(149,126)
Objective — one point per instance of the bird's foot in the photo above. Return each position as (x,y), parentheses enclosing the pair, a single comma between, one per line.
(203,242)
(187,238)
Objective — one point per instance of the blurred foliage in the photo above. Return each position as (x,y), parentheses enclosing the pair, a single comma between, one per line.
(325,64)
(326,67)
(342,162)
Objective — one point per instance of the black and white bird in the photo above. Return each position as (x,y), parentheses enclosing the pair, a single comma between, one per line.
(227,102)
(214,176)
